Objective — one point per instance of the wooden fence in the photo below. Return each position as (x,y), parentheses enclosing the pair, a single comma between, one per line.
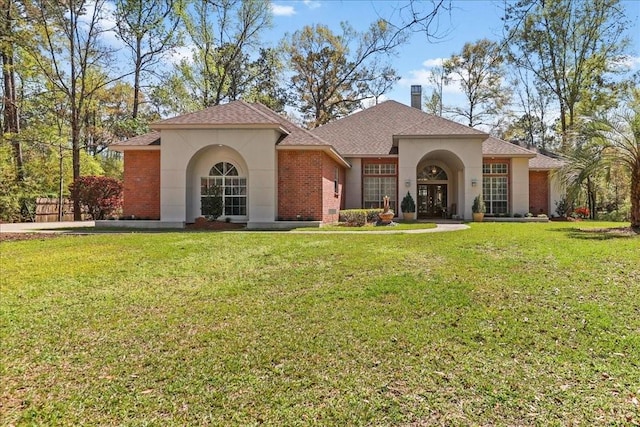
(47,210)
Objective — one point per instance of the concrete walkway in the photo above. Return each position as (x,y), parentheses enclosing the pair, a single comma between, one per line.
(56,227)
(43,227)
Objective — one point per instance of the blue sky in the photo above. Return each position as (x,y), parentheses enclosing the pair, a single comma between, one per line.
(468,21)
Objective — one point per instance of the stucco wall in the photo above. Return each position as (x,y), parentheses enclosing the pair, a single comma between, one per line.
(142,184)
(180,168)
(463,158)
(353,184)
(519,185)
(556,193)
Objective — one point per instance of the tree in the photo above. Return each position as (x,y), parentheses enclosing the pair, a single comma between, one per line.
(581,174)
(438,79)
(534,103)
(618,132)
(149,30)
(573,48)
(479,72)
(223,34)
(9,15)
(101,195)
(71,57)
(333,74)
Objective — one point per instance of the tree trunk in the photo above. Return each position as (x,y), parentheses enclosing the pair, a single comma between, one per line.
(11,121)
(635,196)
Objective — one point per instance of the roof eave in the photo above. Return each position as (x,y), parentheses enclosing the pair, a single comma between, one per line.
(231,126)
(121,147)
(509,156)
(480,136)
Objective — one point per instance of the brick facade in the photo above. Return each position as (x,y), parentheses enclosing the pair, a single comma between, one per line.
(142,184)
(539,192)
(332,200)
(306,186)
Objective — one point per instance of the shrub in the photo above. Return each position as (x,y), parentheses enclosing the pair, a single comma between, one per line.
(408,205)
(581,212)
(211,202)
(478,205)
(359,217)
(372,214)
(101,195)
(563,207)
(354,217)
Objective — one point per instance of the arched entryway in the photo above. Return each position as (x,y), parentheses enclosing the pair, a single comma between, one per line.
(433,186)
(222,167)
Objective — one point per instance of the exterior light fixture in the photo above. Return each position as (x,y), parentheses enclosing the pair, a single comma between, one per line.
(474,182)
(407,183)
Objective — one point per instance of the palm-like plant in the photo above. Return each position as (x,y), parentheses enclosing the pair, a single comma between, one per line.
(618,135)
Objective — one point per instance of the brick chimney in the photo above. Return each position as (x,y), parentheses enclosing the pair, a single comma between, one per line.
(416,96)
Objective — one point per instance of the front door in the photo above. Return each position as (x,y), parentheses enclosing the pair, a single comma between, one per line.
(432,200)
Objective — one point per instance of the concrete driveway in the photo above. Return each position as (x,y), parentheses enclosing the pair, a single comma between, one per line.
(44,227)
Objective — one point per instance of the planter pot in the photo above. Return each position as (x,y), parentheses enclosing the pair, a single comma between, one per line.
(408,216)
(478,216)
(386,217)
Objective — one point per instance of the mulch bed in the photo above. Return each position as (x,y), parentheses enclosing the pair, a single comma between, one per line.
(204,224)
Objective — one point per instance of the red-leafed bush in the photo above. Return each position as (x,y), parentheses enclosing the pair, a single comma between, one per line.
(100,194)
(582,212)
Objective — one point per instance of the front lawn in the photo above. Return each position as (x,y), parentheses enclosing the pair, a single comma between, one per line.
(501,324)
(395,226)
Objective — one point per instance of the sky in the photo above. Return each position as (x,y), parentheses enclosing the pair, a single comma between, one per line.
(468,21)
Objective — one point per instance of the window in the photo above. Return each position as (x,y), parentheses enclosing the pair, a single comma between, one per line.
(232,186)
(432,173)
(336,180)
(379,180)
(495,187)
(380,169)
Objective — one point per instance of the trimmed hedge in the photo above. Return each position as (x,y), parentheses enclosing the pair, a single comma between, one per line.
(359,217)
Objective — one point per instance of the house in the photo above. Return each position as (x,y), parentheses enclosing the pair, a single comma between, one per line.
(272,171)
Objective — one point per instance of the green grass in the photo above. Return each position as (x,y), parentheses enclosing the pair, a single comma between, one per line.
(502,324)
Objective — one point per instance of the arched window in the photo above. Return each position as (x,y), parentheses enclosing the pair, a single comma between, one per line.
(233,188)
(432,173)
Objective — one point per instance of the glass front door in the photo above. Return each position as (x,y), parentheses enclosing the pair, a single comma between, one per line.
(432,200)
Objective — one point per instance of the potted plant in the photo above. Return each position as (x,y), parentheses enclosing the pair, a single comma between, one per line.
(408,207)
(478,208)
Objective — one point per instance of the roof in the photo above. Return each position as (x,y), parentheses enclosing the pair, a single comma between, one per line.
(235,113)
(493,146)
(368,132)
(141,141)
(541,161)
(372,131)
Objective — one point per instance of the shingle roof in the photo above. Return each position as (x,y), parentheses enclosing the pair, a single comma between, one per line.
(297,135)
(151,138)
(235,113)
(372,131)
(240,113)
(541,161)
(498,147)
